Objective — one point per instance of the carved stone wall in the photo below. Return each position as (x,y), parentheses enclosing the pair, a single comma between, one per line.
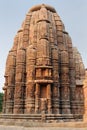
(85,96)
(79,76)
(44,73)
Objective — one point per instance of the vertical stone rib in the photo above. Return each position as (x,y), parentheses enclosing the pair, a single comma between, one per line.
(10,82)
(55,87)
(37,98)
(72,75)
(65,83)
(20,82)
(43,61)
(5,84)
(49,102)
(54,62)
(69,47)
(30,70)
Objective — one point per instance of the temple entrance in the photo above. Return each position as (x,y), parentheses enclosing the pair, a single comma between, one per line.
(43,98)
(43,90)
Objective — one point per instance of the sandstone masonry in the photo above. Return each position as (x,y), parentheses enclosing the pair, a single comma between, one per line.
(44,72)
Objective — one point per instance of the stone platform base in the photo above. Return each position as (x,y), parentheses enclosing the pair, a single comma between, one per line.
(41,117)
(45,120)
(45,126)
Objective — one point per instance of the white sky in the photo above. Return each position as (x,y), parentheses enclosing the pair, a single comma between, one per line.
(12,13)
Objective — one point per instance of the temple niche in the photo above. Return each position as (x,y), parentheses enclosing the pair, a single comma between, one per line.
(44,72)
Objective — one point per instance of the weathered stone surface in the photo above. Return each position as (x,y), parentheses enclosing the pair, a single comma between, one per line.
(44,73)
(2,127)
(85,96)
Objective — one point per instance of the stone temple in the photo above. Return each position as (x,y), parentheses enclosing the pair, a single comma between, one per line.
(44,72)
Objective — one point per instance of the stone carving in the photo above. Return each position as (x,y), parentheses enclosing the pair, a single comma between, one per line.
(44,73)
(85,96)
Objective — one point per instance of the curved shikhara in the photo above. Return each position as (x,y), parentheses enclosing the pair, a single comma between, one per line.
(44,73)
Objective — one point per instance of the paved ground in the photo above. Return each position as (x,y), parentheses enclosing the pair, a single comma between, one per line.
(2,127)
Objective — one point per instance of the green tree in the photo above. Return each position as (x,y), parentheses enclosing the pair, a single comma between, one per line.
(1,101)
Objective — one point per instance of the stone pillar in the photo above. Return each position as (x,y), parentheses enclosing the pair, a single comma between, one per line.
(20,82)
(71,74)
(10,82)
(37,97)
(60,44)
(4,99)
(55,85)
(30,101)
(65,86)
(43,105)
(49,98)
(30,86)
(5,89)
(56,98)
(55,38)
(71,71)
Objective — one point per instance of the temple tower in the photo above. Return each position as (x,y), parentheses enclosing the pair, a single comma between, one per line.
(44,72)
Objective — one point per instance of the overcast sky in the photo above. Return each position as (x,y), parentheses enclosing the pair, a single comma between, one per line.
(12,13)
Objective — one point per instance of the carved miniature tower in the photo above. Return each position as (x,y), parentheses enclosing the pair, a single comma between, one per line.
(44,73)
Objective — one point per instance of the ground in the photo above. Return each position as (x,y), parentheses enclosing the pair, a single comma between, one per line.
(2,127)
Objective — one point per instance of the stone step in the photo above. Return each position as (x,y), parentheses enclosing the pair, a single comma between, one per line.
(2,127)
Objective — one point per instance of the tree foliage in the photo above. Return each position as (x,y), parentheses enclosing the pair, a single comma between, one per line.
(1,101)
